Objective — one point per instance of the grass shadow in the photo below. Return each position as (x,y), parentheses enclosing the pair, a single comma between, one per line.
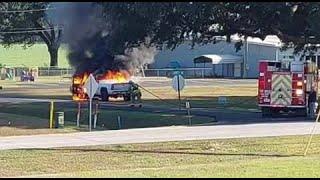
(35,115)
(164,152)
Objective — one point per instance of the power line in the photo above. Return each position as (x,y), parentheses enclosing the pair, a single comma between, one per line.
(31,31)
(27,10)
(31,28)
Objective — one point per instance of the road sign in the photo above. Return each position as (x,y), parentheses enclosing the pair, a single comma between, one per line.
(91,86)
(187,104)
(175,64)
(178,82)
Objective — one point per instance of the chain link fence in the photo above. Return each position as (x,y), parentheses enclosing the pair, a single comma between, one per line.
(187,72)
(165,72)
(56,72)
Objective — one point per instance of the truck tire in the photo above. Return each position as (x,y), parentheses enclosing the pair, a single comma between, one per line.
(104,94)
(126,98)
(302,112)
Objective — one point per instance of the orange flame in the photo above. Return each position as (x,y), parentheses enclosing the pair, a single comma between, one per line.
(79,97)
(76,98)
(116,76)
(78,82)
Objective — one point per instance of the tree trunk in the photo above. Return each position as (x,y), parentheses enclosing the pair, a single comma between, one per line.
(53,51)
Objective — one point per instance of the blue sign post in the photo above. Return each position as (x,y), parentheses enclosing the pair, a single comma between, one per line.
(177,85)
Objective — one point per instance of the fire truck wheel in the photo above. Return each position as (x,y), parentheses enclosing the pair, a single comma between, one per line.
(104,94)
(302,112)
(266,112)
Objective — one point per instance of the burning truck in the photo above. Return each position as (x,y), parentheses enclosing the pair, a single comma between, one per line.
(97,45)
(113,84)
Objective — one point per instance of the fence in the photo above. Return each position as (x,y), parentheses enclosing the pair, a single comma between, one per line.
(187,72)
(56,72)
(42,71)
(165,72)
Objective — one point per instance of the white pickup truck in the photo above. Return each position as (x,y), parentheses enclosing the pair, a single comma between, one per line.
(109,88)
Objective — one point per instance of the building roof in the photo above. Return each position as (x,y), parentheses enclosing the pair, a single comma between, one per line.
(270,40)
(218,59)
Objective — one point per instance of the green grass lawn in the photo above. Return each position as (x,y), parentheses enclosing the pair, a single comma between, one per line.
(245,157)
(243,97)
(30,125)
(50,88)
(36,55)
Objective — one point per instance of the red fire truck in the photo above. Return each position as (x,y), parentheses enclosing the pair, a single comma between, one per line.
(285,86)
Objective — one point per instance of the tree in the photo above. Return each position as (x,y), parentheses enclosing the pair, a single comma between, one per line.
(295,23)
(172,23)
(27,23)
(166,24)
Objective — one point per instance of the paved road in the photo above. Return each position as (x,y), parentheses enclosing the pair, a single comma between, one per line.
(162,134)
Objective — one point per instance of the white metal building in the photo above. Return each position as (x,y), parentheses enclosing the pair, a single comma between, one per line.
(222,59)
(288,55)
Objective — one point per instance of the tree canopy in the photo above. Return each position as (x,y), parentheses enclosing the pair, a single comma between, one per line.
(172,23)
(295,23)
(27,23)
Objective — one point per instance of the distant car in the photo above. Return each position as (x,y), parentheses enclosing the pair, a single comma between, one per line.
(26,77)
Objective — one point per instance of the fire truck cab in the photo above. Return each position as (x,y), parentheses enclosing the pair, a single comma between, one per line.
(285,86)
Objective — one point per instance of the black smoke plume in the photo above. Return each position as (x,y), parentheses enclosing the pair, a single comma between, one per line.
(90,40)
